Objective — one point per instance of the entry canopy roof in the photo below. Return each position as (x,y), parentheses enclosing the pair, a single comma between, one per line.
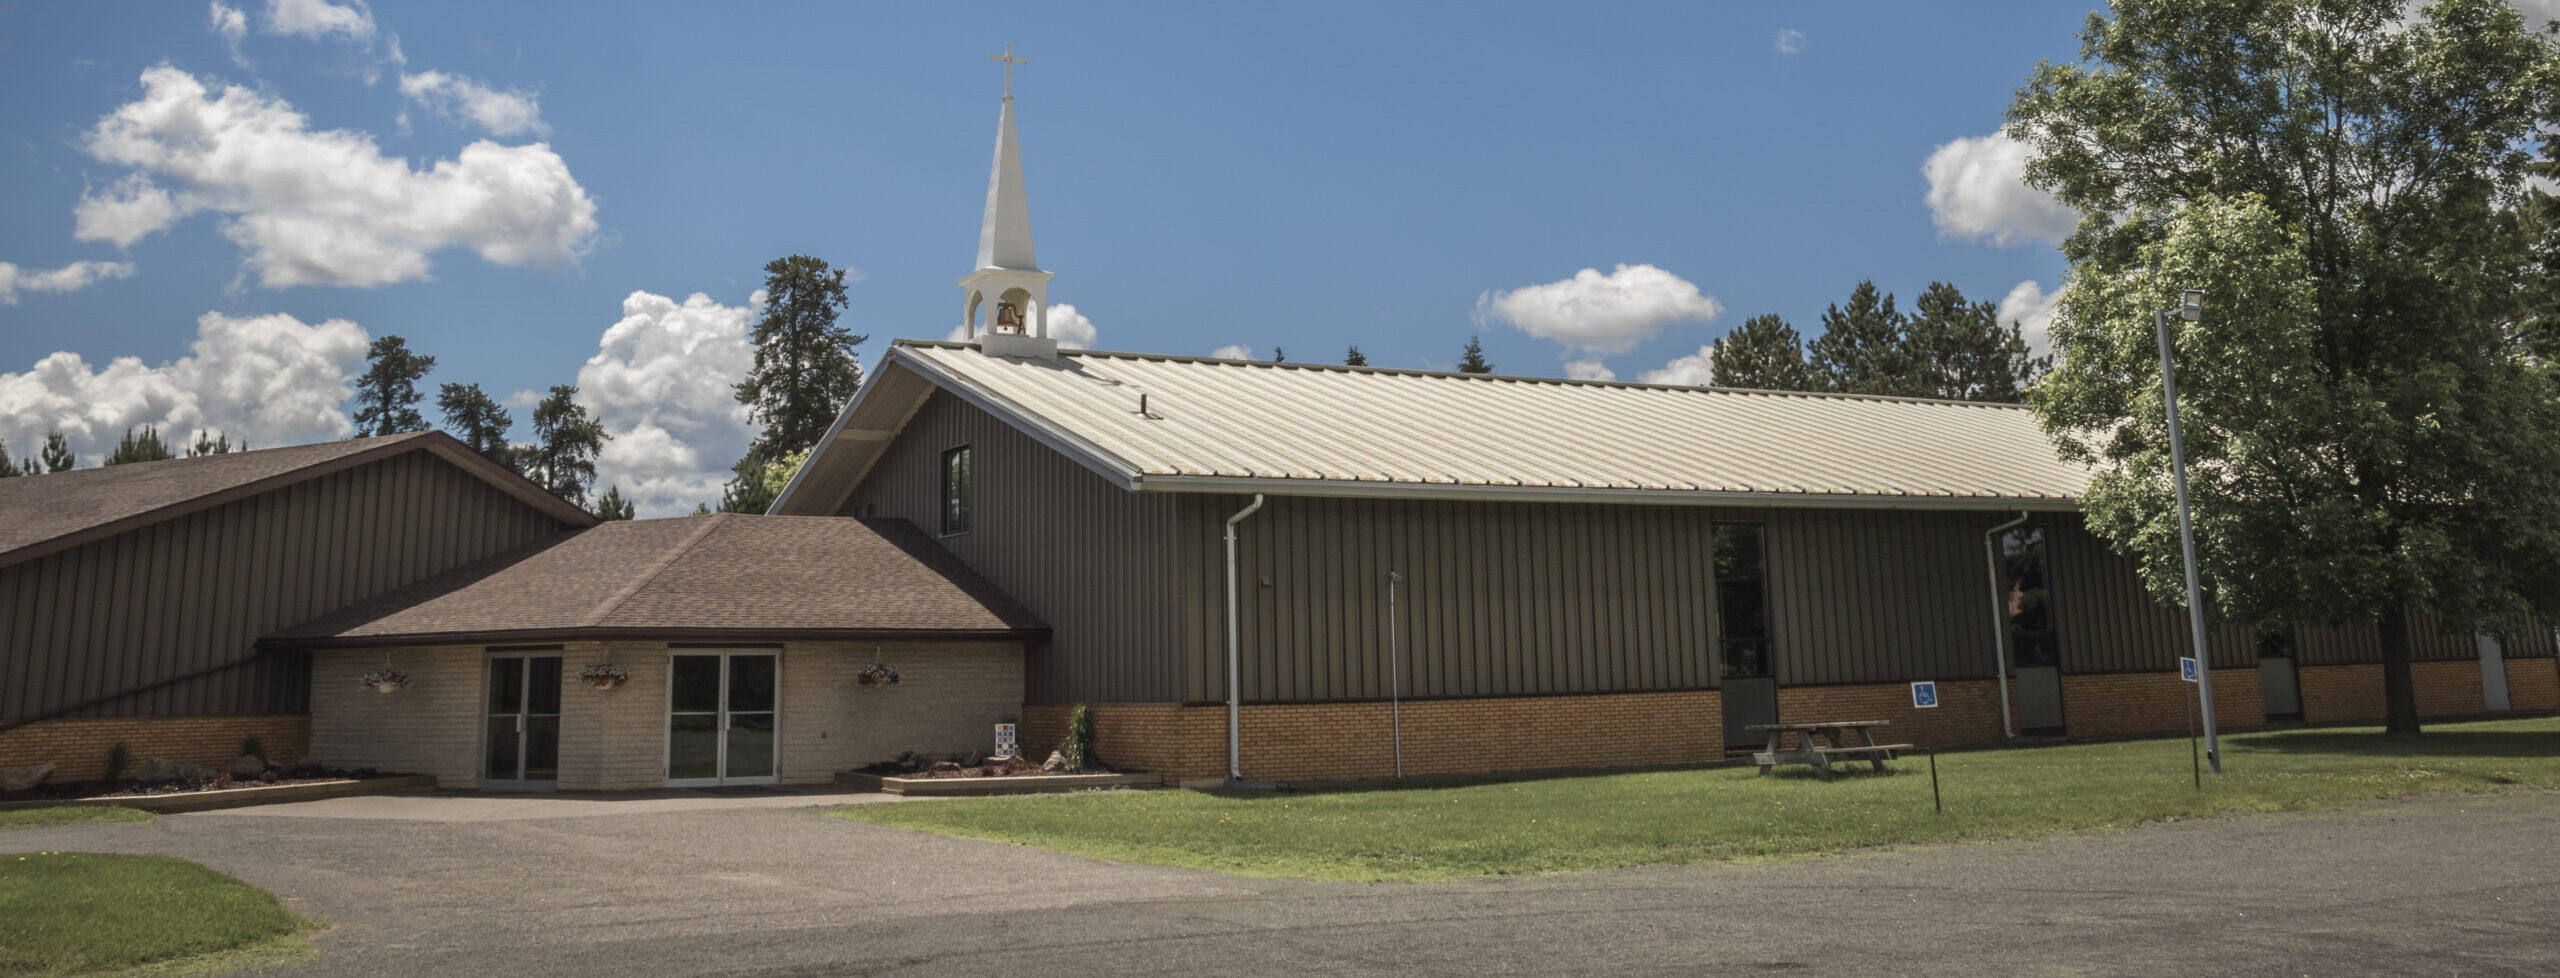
(1229,426)
(723,577)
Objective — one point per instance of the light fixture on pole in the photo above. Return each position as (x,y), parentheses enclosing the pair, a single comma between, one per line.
(2190,308)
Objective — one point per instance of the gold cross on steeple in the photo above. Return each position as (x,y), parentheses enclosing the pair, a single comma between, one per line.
(1009,61)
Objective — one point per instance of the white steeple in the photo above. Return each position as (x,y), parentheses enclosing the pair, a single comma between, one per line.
(1018,322)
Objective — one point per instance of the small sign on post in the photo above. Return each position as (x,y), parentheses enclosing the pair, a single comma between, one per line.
(1924,696)
(2187,668)
(1006,746)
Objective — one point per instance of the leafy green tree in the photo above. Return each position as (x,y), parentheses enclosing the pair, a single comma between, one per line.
(210,442)
(701,509)
(566,442)
(611,506)
(387,395)
(1763,353)
(1473,361)
(754,492)
(1355,358)
(1959,350)
(57,455)
(475,418)
(2368,439)
(144,447)
(1863,349)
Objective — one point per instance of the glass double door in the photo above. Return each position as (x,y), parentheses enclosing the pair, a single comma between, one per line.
(721,718)
(523,732)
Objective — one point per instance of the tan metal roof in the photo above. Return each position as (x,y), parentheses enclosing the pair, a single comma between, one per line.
(1317,429)
(709,577)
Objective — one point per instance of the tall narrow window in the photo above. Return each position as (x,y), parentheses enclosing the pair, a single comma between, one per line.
(955,490)
(1742,599)
(2030,598)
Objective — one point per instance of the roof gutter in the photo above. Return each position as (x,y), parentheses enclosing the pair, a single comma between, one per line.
(644,633)
(1356,489)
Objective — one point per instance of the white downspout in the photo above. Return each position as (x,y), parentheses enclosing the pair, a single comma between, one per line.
(1999,622)
(1395,674)
(1235,754)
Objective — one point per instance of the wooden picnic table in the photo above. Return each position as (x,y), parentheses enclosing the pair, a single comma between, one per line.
(1811,749)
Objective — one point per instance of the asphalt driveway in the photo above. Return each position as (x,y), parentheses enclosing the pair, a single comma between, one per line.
(756,885)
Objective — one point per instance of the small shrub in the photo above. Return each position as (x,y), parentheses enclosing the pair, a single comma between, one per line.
(1078,750)
(253,748)
(119,757)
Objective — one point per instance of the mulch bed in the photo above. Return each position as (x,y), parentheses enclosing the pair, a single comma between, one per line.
(73,790)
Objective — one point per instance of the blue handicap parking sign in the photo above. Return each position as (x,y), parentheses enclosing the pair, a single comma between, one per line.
(1924,696)
(2187,668)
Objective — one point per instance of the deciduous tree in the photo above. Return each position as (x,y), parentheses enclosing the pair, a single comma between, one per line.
(2368,439)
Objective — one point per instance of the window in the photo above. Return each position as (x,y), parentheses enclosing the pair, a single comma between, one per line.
(955,491)
(1742,599)
(2029,601)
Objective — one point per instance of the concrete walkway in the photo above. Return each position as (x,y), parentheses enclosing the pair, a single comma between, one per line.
(462,806)
(2448,885)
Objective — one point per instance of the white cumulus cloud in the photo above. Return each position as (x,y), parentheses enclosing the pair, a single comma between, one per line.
(464,99)
(2032,309)
(1596,313)
(1233,351)
(272,380)
(131,209)
(69,278)
(1070,328)
(316,19)
(229,24)
(661,384)
(1790,41)
(1695,370)
(1591,369)
(1978,192)
(326,207)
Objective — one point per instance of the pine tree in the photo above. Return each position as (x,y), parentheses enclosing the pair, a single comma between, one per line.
(57,454)
(1862,349)
(1355,358)
(1959,350)
(209,442)
(387,395)
(145,447)
(566,442)
(1473,361)
(472,416)
(1765,354)
(701,509)
(7,468)
(804,367)
(611,506)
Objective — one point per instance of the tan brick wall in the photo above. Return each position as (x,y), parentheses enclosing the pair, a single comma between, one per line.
(77,748)
(949,698)
(2341,694)
(2447,688)
(1968,712)
(2533,685)
(433,726)
(2119,704)
(1167,738)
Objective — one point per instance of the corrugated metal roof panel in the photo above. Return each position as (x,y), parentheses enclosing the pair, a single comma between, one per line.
(1235,425)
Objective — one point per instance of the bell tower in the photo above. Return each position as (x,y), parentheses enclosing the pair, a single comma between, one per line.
(1008,288)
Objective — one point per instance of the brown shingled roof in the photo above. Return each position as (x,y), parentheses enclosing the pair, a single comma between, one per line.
(721,577)
(46,513)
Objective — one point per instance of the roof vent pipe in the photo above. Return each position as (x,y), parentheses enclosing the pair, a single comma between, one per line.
(1235,755)
(1999,621)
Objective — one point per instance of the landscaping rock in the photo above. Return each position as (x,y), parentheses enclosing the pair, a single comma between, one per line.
(1057,763)
(196,772)
(247,766)
(156,769)
(23,778)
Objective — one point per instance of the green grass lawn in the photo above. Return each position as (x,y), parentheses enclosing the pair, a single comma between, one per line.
(72,912)
(28,818)
(1565,824)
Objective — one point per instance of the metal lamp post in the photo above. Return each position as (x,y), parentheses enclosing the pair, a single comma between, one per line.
(2190,309)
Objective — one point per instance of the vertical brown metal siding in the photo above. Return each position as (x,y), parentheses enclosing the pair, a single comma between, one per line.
(197,591)
(1094,561)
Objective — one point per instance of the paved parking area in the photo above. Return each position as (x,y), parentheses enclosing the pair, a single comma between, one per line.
(758,885)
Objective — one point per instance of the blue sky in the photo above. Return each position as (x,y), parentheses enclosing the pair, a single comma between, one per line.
(236,195)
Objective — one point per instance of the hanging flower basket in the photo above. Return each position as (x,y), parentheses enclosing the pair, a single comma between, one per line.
(877,674)
(605,676)
(384,680)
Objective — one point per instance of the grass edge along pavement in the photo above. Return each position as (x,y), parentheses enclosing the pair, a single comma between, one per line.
(33,818)
(77,912)
(1603,820)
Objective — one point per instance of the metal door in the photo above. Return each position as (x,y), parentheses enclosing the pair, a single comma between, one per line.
(1747,674)
(2279,681)
(2033,642)
(2493,674)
